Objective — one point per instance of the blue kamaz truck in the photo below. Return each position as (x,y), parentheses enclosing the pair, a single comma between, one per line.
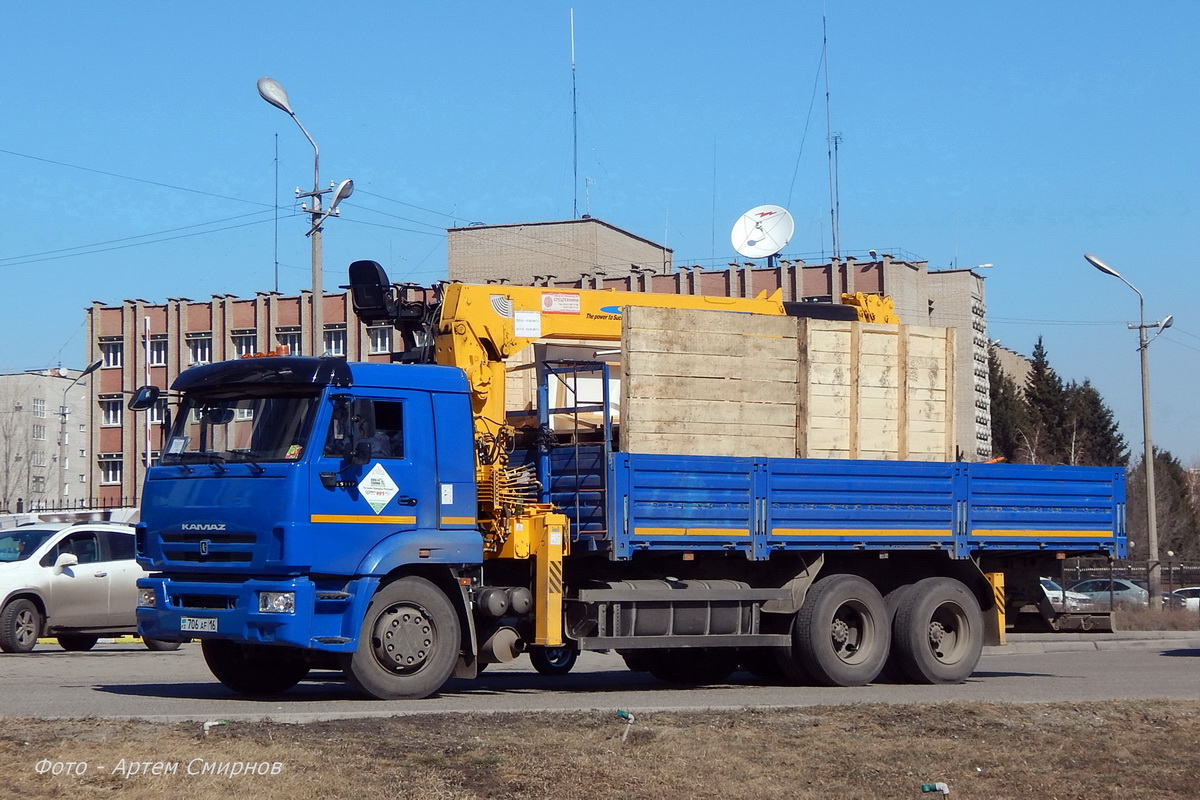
(390,520)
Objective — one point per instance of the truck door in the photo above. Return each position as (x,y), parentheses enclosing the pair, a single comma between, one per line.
(392,493)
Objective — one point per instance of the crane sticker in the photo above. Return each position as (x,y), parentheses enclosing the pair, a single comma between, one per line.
(378,488)
(560,303)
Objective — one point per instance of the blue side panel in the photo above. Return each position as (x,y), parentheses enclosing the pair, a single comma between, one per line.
(836,504)
(758,505)
(1054,508)
(682,502)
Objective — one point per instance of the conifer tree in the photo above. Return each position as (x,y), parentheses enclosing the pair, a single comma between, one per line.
(1043,440)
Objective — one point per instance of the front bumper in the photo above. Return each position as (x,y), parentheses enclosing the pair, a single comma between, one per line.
(326,617)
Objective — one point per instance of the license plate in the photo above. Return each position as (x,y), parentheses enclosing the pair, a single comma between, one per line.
(198,624)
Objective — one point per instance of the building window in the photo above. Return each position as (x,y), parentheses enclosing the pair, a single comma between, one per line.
(38,458)
(199,348)
(39,431)
(158,411)
(291,339)
(39,407)
(39,484)
(335,341)
(111,469)
(113,353)
(111,411)
(245,344)
(381,340)
(158,351)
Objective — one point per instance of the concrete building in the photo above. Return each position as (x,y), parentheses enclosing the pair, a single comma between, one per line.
(143,342)
(534,252)
(45,456)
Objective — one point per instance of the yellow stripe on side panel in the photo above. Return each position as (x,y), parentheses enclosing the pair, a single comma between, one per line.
(741,533)
(1042,534)
(362,519)
(858,533)
(458,520)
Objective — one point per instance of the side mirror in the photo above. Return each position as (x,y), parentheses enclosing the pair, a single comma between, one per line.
(217,415)
(65,560)
(144,398)
(359,452)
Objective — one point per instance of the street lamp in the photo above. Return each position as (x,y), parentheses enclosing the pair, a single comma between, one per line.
(62,429)
(271,91)
(1155,569)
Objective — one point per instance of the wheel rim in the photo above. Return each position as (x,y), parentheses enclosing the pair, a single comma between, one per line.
(852,630)
(949,633)
(26,627)
(404,637)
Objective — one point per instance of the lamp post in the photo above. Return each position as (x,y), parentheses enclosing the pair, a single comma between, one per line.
(271,91)
(1155,568)
(62,416)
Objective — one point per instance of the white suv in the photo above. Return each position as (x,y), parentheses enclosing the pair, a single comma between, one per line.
(75,581)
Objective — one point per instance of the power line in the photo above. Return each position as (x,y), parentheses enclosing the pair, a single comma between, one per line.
(123,239)
(134,244)
(402,203)
(131,178)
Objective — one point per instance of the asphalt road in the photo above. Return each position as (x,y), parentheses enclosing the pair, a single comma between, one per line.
(126,680)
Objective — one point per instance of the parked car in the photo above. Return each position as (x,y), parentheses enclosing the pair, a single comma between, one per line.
(74,581)
(1189,597)
(1062,599)
(1119,591)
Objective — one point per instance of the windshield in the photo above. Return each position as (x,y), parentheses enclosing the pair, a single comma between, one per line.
(248,427)
(19,545)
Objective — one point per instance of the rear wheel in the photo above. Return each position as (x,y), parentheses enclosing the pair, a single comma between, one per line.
(253,669)
(20,626)
(77,642)
(409,642)
(159,646)
(554,660)
(892,671)
(763,663)
(938,631)
(694,667)
(841,636)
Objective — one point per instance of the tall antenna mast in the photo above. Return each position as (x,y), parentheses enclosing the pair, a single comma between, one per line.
(276,214)
(574,126)
(832,139)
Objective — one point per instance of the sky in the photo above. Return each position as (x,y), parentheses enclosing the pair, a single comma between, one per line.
(140,162)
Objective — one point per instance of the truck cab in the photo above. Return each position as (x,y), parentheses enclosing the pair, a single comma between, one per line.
(289,486)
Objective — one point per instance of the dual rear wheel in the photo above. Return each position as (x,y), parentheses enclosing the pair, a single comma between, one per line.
(846,633)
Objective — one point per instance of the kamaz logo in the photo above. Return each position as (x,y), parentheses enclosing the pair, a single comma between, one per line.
(203,526)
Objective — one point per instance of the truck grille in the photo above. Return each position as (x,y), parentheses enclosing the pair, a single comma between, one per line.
(216,547)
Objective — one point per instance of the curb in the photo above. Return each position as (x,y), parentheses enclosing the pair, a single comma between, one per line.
(1075,642)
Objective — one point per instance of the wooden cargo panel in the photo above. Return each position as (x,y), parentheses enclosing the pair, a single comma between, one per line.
(708,383)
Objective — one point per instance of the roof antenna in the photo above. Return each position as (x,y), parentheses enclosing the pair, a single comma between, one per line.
(574,127)
(833,140)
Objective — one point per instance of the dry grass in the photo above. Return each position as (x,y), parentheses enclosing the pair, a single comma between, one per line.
(1095,750)
(1145,619)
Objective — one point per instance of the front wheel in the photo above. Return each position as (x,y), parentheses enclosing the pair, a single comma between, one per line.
(20,626)
(409,642)
(554,660)
(77,642)
(840,636)
(938,631)
(253,669)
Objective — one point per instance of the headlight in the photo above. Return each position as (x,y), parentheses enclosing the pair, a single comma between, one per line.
(277,602)
(145,598)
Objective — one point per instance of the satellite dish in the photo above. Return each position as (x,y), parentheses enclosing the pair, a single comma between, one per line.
(762,231)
